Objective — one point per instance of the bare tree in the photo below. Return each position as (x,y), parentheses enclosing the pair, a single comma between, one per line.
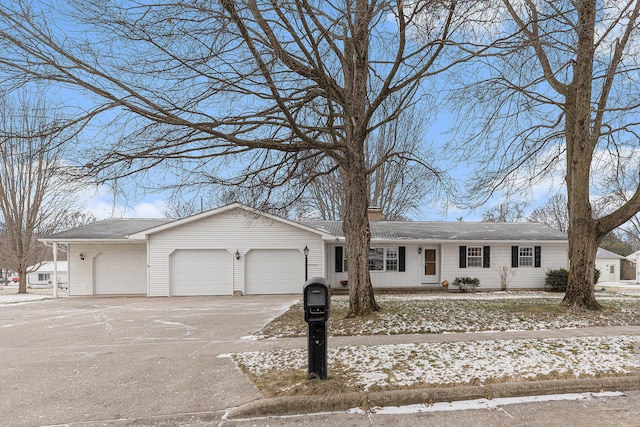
(35,194)
(562,86)
(397,186)
(505,212)
(615,183)
(553,213)
(275,86)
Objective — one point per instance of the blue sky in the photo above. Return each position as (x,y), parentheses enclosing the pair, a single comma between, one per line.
(130,202)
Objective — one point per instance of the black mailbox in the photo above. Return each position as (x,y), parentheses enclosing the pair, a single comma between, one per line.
(317,303)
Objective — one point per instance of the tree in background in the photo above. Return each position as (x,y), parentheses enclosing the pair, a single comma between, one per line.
(560,88)
(505,212)
(398,187)
(252,94)
(36,192)
(553,213)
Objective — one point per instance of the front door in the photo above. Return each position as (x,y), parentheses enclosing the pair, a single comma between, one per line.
(430,273)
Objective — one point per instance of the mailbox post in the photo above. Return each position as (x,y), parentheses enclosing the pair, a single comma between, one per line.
(317,303)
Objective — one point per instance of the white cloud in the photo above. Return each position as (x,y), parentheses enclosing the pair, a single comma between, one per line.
(153,209)
(99,200)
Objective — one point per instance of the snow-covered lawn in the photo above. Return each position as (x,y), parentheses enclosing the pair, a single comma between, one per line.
(371,368)
(440,313)
(446,364)
(9,294)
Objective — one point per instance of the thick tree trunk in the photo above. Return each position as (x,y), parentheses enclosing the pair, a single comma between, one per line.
(581,141)
(22,282)
(583,244)
(356,221)
(358,236)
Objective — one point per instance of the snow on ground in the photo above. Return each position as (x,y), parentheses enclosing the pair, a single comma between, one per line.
(460,363)
(9,294)
(464,363)
(479,362)
(493,404)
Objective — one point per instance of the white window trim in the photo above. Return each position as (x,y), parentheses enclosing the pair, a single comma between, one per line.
(386,258)
(480,258)
(528,257)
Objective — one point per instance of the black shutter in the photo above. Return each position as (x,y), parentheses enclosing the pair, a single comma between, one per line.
(338,259)
(537,257)
(486,256)
(463,257)
(401,258)
(514,256)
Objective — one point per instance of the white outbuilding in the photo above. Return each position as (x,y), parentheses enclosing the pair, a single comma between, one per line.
(609,265)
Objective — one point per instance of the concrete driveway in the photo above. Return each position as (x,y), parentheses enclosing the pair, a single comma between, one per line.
(102,359)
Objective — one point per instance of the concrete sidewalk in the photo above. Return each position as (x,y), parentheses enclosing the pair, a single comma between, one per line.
(460,337)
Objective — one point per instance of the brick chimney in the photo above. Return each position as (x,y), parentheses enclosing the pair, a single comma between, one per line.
(374,213)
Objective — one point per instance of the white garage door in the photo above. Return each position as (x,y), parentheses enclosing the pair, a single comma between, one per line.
(120,273)
(274,271)
(201,272)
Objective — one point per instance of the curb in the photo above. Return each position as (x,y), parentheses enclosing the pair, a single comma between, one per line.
(341,402)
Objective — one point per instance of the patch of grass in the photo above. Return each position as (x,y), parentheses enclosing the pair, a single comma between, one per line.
(410,314)
(393,367)
(295,382)
(403,366)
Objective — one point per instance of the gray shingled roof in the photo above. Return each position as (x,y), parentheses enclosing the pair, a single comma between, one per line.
(605,254)
(115,229)
(441,231)
(109,229)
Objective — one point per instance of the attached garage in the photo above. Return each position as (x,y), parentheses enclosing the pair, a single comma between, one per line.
(274,271)
(120,273)
(201,272)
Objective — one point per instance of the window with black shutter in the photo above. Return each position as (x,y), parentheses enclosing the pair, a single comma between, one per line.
(486,256)
(463,257)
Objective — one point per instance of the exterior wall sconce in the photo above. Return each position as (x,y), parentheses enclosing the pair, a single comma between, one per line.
(420,250)
(237,254)
(81,256)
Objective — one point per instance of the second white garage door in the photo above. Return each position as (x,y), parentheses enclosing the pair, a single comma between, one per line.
(274,271)
(201,272)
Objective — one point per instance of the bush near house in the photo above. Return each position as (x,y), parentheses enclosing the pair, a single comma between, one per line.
(556,280)
(464,283)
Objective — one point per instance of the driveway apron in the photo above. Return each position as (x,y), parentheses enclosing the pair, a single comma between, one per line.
(87,359)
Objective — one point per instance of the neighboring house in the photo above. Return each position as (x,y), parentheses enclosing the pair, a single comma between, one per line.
(609,265)
(43,274)
(237,250)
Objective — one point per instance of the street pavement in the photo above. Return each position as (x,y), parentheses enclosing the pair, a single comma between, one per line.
(89,361)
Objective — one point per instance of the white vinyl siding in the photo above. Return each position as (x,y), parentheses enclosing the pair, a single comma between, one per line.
(234,230)
(609,269)
(81,274)
(411,276)
(554,255)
